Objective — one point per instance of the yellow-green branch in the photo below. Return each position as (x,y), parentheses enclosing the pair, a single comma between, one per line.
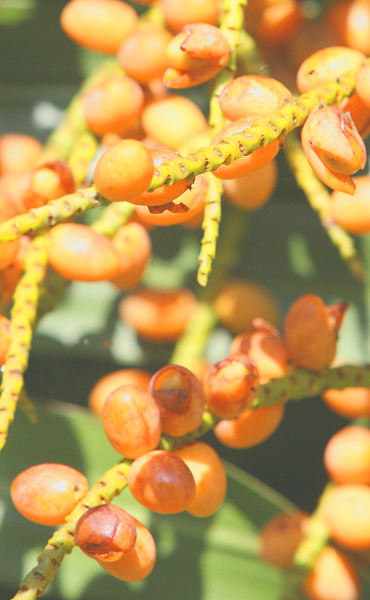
(22,318)
(319,198)
(62,542)
(210,225)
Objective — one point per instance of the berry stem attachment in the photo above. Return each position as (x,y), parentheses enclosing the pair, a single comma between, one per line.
(171,443)
(62,542)
(22,318)
(319,199)
(306,384)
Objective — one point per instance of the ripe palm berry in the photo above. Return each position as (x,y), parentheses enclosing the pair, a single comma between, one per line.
(277,23)
(113,104)
(326,65)
(124,171)
(159,316)
(4,338)
(280,538)
(332,578)
(132,421)
(242,301)
(137,563)
(352,213)
(178,13)
(143,54)
(173,119)
(209,476)
(350,402)
(246,164)
(165,193)
(231,385)
(346,513)
(363,83)
(107,384)
(265,346)
(333,147)
(134,248)
(162,482)
(8,250)
(190,204)
(18,153)
(254,189)
(78,253)
(47,493)
(99,25)
(360,113)
(196,55)
(310,331)
(253,95)
(15,185)
(105,532)
(350,20)
(251,428)
(49,181)
(180,399)
(347,456)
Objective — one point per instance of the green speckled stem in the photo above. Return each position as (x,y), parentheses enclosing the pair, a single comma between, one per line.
(190,347)
(62,542)
(22,318)
(211,222)
(262,133)
(305,384)
(319,198)
(81,156)
(54,212)
(113,217)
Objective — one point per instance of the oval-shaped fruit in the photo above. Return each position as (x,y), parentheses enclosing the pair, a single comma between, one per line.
(350,402)
(143,54)
(346,513)
(280,538)
(250,428)
(47,493)
(347,455)
(352,213)
(332,578)
(107,384)
(134,248)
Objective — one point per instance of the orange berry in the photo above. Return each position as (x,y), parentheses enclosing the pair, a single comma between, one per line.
(113,104)
(209,476)
(143,54)
(159,316)
(10,276)
(47,493)
(242,301)
(134,248)
(190,204)
(265,347)
(332,578)
(363,83)
(245,164)
(351,22)
(136,564)
(346,513)
(352,213)
(254,189)
(124,171)
(250,428)
(360,113)
(347,456)
(333,147)
(49,181)
(178,13)
(180,399)
(253,95)
(280,538)
(18,153)
(131,421)
(350,402)
(278,22)
(107,384)
(231,385)
(326,65)
(172,120)
(78,253)
(310,332)
(105,531)
(15,185)
(8,250)
(162,482)
(99,25)
(165,193)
